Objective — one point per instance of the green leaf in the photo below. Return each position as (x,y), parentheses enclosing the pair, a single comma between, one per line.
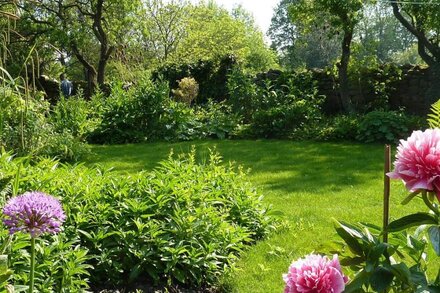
(434,236)
(381,279)
(352,230)
(411,221)
(4,276)
(352,261)
(410,197)
(20,288)
(3,263)
(402,272)
(179,275)
(135,272)
(350,235)
(351,241)
(359,280)
(433,288)
(437,279)
(377,251)
(418,277)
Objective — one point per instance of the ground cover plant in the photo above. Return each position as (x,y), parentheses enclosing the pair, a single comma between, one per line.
(310,183)
(183,224)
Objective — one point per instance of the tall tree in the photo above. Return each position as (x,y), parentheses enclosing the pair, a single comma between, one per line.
(422,19)
(89,30)
(379,34)
(164,26)
(213,32)
(341,16)
(297,47)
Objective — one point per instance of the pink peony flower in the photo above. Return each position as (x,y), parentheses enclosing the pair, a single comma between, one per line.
(418,161)
(315,274)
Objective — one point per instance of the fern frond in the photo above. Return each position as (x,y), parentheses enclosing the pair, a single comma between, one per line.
(434,116)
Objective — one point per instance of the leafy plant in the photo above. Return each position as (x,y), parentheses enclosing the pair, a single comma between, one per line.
(218,119)
(74,115)
(133,115)
(242,93)
(380,266)
(434,116)
(287,107)
(184,223)
(386,126)
(341,127)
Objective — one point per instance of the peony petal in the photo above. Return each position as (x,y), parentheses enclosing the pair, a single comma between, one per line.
(417,185)
(337,281)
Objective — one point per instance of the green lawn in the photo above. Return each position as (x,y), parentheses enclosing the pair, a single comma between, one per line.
(310,183)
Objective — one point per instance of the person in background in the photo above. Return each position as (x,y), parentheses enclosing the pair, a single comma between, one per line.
(66,86)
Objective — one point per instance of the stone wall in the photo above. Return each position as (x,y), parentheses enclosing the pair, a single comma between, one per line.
(415,88)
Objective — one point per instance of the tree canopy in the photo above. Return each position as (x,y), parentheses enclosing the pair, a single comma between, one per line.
(89,38)
(422,19)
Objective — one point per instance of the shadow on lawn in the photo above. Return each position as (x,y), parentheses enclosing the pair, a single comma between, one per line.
(283,165)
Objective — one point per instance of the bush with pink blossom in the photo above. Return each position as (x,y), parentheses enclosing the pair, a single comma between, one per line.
(397,262)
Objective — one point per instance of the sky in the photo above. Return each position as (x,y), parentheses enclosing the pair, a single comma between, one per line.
(262,10)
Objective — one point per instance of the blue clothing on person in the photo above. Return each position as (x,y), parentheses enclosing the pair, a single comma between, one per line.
(66,87)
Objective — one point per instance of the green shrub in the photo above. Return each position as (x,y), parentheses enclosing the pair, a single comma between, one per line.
(180,122)
(61,261)
(147,113)
(184,223)
(218,120)
(287,108)
(242,93)
(387,126)
(133,115)
(211,76)
(26,127)
(75,115)
(277,122)
(342,127)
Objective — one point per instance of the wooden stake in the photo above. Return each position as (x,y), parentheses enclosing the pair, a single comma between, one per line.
(386,191)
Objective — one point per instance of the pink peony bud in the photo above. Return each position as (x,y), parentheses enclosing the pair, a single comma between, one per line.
(418,161)
(315,274)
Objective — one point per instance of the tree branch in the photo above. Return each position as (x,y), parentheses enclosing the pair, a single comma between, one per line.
(423,42)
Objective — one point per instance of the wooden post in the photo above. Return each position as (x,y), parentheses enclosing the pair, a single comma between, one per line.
(386,191)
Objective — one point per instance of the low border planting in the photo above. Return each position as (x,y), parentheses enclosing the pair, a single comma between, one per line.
(182,224)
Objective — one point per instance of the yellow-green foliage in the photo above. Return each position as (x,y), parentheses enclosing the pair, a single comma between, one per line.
(187,91)
(434,116)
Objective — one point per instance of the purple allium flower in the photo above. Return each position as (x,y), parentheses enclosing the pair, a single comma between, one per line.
(34,213)
(315,274)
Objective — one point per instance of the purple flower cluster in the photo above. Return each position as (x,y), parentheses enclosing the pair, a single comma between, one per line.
(34,213)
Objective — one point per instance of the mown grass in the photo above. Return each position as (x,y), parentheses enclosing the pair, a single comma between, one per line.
(309,183)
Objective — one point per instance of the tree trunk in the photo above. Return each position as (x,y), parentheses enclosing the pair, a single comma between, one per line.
(101,71)
(89,70)
(347,105)
(91,81)
(105,49)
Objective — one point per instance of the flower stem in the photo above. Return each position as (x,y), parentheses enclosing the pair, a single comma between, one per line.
(31,279)
(429,204)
